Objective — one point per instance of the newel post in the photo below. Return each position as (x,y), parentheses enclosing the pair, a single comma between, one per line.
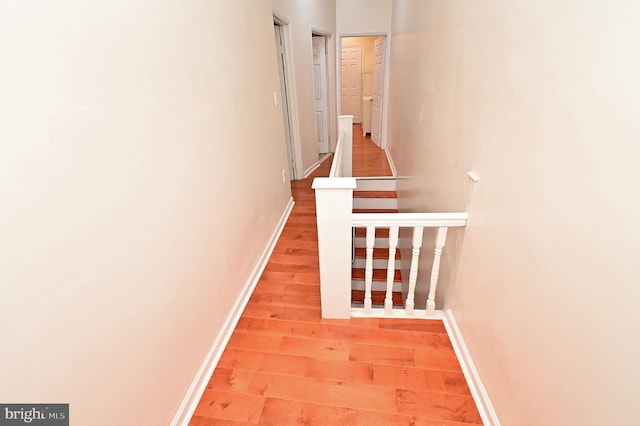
(334,204)
(345,122)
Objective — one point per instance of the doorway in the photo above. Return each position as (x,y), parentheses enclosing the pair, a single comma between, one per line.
(285,95)
(351,94)
(321,86)
(378,89)
(362,93)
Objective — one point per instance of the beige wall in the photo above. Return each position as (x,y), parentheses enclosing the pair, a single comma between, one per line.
(140,178)
(541,99)
(363,16)
(304,17)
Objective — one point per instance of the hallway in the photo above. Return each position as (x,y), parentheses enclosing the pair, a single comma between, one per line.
(285,365)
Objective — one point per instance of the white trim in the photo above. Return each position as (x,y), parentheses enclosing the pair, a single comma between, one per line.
(375,203)
(321,32)
(311,169)
(394,172)
(396,313)
(429,220)
(324,157)
(286,82)
(384,127)
(292,95)
(375,286)
(331,83)
(365,34)
(282,19)
(324,88)
(334,183)
(194,393)
(379,183)
(480,396)
(337,158)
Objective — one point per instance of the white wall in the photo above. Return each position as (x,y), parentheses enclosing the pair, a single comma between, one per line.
(363,16)
(303,17)
(140,178)
(541,99)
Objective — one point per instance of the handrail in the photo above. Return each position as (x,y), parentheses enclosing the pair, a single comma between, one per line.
(394,221)
(336,224)
(334,203)
(427,220)
(336,164)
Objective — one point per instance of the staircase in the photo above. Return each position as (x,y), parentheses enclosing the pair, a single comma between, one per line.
(358,243)
(375,195)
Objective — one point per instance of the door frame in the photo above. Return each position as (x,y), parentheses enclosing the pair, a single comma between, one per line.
(330,54)
(377,106)
(385,85)
(324,87)
(293,145)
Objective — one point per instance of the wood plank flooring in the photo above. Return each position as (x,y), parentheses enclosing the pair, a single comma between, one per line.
(284,365)
(368,159)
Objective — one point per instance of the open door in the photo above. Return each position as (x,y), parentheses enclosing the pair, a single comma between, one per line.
(378,88)
(321,94)
(284,96)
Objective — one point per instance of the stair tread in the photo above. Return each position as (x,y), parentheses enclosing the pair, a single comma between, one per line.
(378,253)
(375,194)
(378,275)
(380,232)
(377,297)
(375,210)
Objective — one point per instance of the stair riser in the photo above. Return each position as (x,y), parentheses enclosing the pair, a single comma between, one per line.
(376,184)
(374,199)
(379,242)
(377,263)
(375,285)
(375,203)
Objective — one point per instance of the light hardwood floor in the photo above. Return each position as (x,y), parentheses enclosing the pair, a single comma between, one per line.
(284,365)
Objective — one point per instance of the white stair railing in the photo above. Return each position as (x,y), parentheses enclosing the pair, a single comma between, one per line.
(391,269)
(417,221)
(335,221)
(368,270)
(341,165)
(334,203)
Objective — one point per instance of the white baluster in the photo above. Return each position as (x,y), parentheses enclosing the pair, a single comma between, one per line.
(391,270)
(368,271)
(413,272)
(441,238)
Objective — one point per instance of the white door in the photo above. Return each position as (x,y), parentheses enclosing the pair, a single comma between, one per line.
(320,88)
(378,86)
(351,87)
(281,54)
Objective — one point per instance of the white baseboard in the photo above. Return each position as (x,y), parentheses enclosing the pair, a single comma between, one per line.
(394,172)
(480,396)
(358,312)
(324,157)
(311,169)
(199,384)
